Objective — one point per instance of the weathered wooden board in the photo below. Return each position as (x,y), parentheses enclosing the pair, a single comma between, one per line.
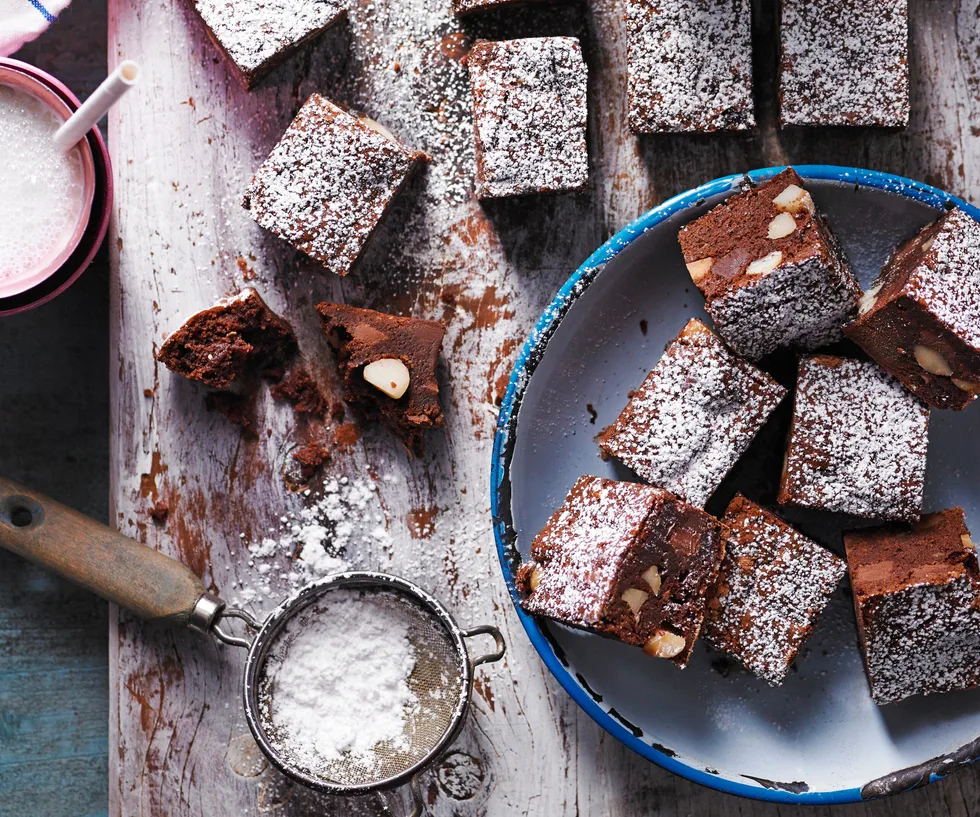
(185,144)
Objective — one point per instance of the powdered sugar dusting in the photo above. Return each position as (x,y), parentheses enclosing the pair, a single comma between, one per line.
(693,417)
(690,65)
(858,442)
(947,279)
(844,63)
(253,32)
(327,183)
(776,582)
(530,114)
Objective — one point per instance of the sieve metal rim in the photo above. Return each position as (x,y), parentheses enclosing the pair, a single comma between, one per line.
(296,603)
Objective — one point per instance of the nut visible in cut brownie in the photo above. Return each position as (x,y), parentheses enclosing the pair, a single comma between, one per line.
(921,319)
(257,35)
(627,561)
(689,65)
(327,184)
(844,62)
(693,417)
(362,337)
(857,443)
(916,594)
(772,586)
(529,116)
(234,339)
(770,270)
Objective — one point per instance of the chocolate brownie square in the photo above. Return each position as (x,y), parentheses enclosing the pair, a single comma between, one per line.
(770,270)
(772,586)
(529,116)
(916,594)
(857,443)
(236,338)
(689,65)
(388,365)
(257,35)
(329,181)
(921,319)
(693,416)
(844,62)
(626,561)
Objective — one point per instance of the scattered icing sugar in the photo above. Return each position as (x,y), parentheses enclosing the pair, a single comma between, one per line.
(582,548)
(693,416)
(858,442)
(530,112)
(326,185)
(254,32)
(776,583)
(947,280)
(336,685)
(844,65)
(690,65)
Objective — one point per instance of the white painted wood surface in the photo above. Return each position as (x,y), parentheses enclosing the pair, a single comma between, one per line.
(184,146)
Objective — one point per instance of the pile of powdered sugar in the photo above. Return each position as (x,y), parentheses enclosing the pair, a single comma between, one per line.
(336,686)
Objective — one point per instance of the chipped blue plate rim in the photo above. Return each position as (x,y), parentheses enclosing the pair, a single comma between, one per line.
(503,446)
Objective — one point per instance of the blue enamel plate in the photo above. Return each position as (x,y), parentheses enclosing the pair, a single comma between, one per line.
(818,738)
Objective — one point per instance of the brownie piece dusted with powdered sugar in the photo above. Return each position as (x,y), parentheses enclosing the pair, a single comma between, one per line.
(327,184)
(858,442)
(770,270)
(627,561)
(921,319)
(236,338)
(256,35)
(689,65)
(693,417)
(844,62)
(773,584)
(529,116)
(916,596)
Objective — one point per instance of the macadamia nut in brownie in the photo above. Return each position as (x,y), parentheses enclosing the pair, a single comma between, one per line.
(529,116)
(772,586)
(844,62)
(921,319)
(857,443)
(329,181)
(916,597)
(388,365)
(256,35)
(693,416)
(770,270)
(627,561)
(689,65)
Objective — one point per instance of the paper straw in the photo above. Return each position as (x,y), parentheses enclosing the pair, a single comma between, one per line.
(96,106)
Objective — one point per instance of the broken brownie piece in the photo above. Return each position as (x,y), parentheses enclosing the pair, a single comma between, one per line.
(529,116)
(770,270)
(772,586)
(857,444)
(300,390)
(389,367)
(327,184)
(921,319)
(257,35)
(916,594)
(627,561)
(234,339)
(693,417)
(689,65)
(844,62)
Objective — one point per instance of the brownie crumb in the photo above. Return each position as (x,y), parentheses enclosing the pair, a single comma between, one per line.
(147,392)
(310,457)
(300,390)
(346,437)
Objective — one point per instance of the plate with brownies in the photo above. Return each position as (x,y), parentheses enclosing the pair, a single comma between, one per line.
(734,479)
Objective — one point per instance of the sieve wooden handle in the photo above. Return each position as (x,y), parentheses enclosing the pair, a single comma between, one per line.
(92,555)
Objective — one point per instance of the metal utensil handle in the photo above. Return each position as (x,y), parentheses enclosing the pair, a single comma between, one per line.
(392,804)
(94,556)
(498,639)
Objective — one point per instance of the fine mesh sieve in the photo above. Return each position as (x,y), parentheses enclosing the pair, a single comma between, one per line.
(158,588)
